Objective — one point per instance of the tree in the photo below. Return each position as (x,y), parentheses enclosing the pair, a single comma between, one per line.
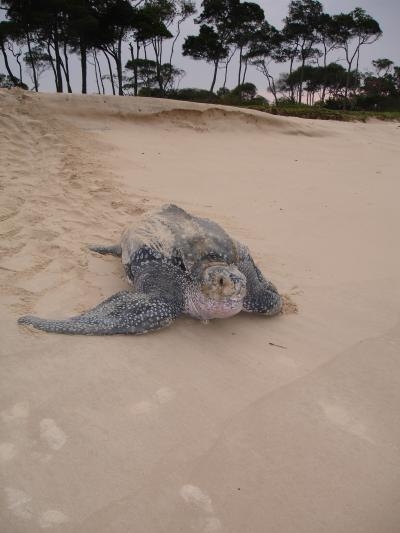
(23,16)
(328,39)
(385,83)
(207,46)
(185,9)
(245,92)
(246,19)
(38,61)
(354,30)
(115,18)
(148,75)
(382,65)
(49,17)
(6,31)
(163,14)
(265,47)
(220,18)
(152,23)
(83,34)
(301,32)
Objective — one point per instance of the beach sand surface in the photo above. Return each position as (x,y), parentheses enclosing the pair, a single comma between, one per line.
(288,424)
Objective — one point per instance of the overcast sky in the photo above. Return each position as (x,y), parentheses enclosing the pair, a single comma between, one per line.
(199,74)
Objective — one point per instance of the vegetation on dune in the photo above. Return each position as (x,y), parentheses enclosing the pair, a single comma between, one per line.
(42,35)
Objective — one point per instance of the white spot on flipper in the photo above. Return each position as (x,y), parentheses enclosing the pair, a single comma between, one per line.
(7,451)
(52,434)
(341,417)
(195,496)
(52,518)
(164,395)
(19,503)
(18,411)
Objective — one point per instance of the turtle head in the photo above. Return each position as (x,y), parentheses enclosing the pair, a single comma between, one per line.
(221,282)
(219,293)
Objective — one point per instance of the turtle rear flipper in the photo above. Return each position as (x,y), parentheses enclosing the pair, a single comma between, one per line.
(123,313)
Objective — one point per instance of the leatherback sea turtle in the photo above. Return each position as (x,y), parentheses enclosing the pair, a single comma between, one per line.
(177,264)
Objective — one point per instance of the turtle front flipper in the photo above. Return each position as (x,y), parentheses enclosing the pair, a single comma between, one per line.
(123,313)
(114,249)
(261,295)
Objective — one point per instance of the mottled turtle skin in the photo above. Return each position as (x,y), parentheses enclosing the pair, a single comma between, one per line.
(177,264)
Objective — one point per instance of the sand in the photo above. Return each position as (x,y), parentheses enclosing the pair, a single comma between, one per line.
(247,425)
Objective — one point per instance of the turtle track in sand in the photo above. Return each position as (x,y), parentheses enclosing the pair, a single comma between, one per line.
(50,175)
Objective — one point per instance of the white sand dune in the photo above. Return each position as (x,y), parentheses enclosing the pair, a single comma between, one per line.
(246,425)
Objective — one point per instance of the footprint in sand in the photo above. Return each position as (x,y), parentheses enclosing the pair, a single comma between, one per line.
(52,518)
(16,412)
(339,416)
(207,522)
(19,503)
(7,451)
(16,418)
(54,436)
(161,396)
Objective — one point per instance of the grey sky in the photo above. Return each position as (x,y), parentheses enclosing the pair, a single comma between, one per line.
(198,73)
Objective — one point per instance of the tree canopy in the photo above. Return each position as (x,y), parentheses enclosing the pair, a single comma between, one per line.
(42,35)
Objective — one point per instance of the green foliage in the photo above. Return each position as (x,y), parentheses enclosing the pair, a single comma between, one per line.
(148,74)
(207,45)
(245,92)
(153,92)
(322,113)
(382,64)
(193,95)
(8,82)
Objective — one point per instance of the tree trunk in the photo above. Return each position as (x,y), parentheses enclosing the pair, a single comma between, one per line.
(325,75)
(65,67)
(290,72)
(13,78)
(226,74)
(240,64)
(346,90)
(96,75)
(301,82)
(118,60)
(358,55)
(35,81)
(244,71)
(214,76)
(20,67)
(83,67)
(226,67)
(173,44)
(52,65)
(100,74)
(134,67)
(111,72)
(58,61)
(157,53)
(271,83)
